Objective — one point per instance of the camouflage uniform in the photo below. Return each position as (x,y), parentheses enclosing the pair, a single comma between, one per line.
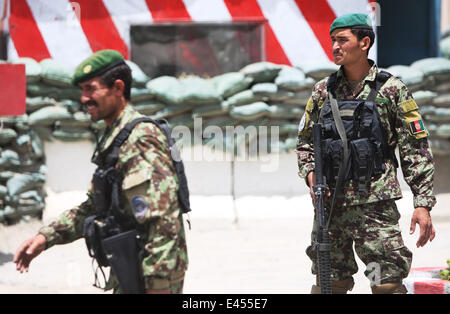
(149,178)
(371,221)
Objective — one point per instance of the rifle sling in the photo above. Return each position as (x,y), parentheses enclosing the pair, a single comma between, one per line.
(343,166)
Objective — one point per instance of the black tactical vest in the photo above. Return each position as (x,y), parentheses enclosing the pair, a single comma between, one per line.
(107,178)
(365,138)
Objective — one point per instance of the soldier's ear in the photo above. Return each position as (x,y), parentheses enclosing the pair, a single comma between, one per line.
(364,43)
(119,87)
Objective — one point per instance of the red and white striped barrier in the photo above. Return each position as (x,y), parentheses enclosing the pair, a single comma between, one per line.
(296,31)
(426,280)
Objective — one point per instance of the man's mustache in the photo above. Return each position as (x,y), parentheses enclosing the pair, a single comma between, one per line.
(90,103)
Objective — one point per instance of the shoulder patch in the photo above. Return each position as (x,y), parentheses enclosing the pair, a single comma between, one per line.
(140,207)
(413,119)
(302,123)
(409,105)
(309,105)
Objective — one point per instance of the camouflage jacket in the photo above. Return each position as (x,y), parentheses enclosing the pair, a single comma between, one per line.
(397,110)
(149,180)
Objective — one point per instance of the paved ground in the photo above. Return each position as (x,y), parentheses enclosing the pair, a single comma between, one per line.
(261,252)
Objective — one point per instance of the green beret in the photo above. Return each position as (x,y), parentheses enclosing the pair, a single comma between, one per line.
(352,20)
(97,64)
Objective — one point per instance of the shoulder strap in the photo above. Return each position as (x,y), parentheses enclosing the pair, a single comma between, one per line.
(112,155)
(380,80)
(331,83)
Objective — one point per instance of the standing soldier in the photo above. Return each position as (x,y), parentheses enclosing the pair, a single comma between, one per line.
(148,191)
(373,114)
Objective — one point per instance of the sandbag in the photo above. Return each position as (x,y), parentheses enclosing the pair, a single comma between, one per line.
(284,112)
(14,213)
(22,123)
(174,111)
(261,71)
(299,99)
(231,83)
(438,68)
(148,107)
(293,79)
(40,89)
(27,198)
(220,121)
(166,89)
(139,77)
(440,146)
(5,176)
(73,134)
(412,77)
(32,69)
(45,133)
(71,105)
(243,98)
(55,73)
(271,91)
(36,103)
(318,69)
(80,120)
(3,192)
(424,98)
(250,112)
(49,115)
(141,94)
(20,183)
(444,130)
(9,158)
(186,121)
(442,100)
(209,111)
(98,126)
(72,93)
(198,91)
(7,136)
(36,144)
(427,111)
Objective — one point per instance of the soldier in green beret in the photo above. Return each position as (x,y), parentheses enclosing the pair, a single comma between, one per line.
(376,113)
(148,192)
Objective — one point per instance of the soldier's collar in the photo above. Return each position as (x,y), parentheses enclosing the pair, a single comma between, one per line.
(371,76)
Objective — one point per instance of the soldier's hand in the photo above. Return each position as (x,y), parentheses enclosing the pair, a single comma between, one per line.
(312,182)
(27,251)
(422,217)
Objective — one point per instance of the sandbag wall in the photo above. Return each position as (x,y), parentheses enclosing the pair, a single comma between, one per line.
(260,94)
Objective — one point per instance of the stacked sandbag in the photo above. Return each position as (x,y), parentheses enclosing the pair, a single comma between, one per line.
(429,81)
(262,98)
(22,170)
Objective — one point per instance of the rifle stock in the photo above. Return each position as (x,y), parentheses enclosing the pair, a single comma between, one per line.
(323,239)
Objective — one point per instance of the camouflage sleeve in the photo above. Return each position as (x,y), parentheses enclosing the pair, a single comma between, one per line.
(150,187)
(416,158)
(304,148)
(69,225)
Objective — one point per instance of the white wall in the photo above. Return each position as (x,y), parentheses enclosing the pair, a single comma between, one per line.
(70,169)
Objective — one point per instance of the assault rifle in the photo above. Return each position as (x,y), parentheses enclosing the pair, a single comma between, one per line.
(322,238)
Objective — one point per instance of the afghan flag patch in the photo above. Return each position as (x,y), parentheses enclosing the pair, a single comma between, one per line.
(417,126)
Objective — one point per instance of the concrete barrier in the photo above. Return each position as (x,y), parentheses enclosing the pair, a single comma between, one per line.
(426,280)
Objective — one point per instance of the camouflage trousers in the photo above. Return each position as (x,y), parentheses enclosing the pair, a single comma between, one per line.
(374,231)
(174,284)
